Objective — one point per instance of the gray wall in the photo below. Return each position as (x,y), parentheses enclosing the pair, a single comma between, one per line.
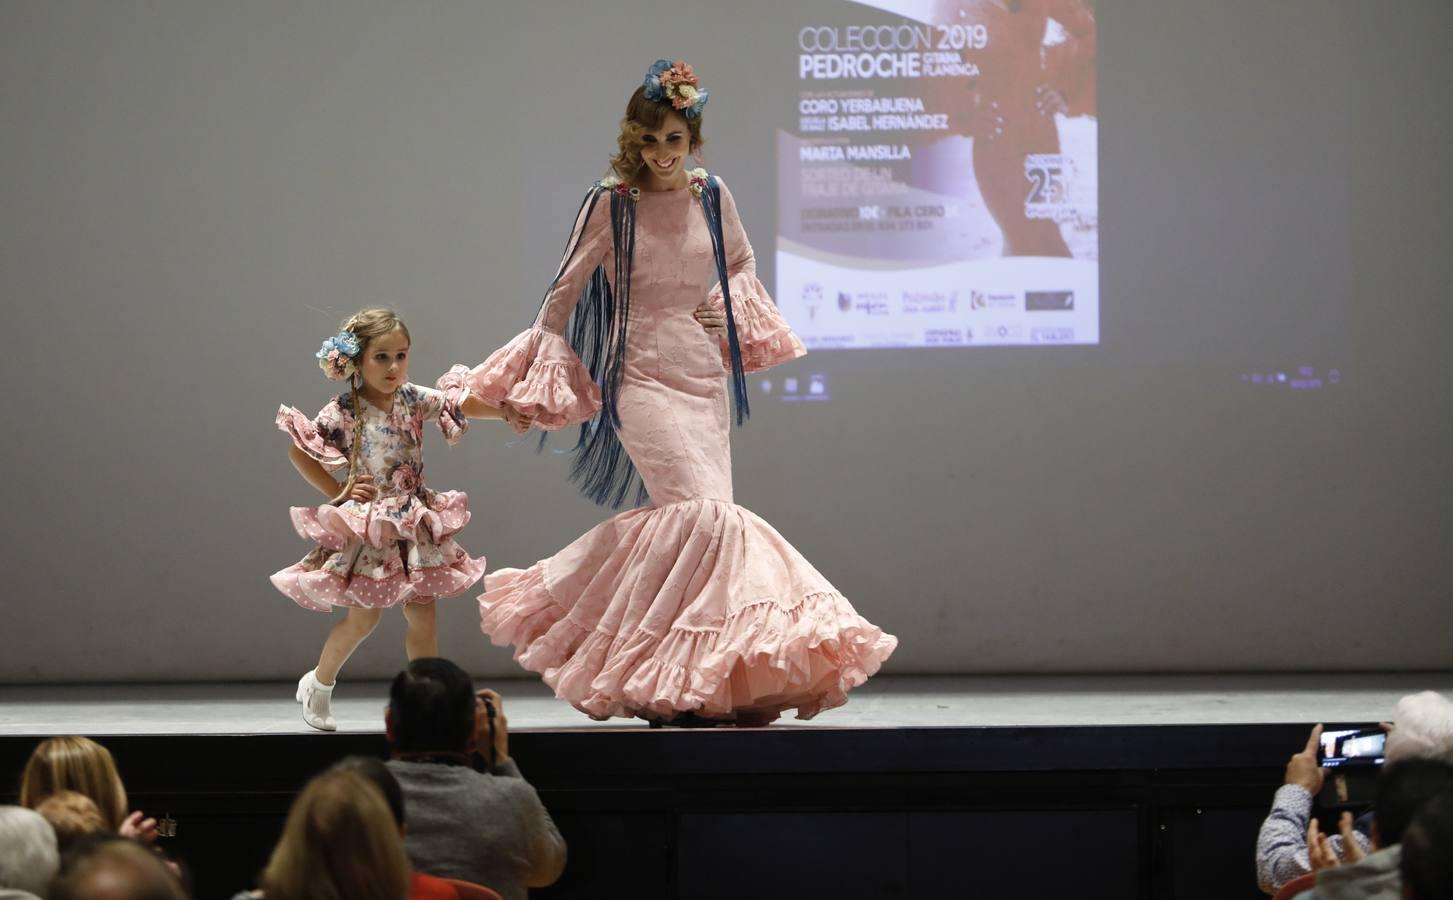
(192,194)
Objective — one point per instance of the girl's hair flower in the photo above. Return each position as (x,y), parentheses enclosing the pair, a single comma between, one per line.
(336,356)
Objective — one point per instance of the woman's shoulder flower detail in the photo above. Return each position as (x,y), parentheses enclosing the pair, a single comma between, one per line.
(615,185)
(698,180)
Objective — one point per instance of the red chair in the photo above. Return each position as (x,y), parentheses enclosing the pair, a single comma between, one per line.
(427,887)
(1288,891)
(468,890)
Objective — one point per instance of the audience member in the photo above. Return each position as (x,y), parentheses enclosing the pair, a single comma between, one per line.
(28,857)
(1427,865)
(111,867)
(80,764)
(1424,730)
(1401,790)
(73,815)
(340,842)
(469,818)
(421,886)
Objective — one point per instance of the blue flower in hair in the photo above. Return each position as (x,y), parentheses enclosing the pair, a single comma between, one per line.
(344,342)
(654,89)
(335,357)
(694,111)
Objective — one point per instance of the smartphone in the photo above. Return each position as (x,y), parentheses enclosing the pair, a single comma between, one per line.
(1352,747)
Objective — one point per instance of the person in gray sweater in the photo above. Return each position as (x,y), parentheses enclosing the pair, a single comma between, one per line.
(472,815)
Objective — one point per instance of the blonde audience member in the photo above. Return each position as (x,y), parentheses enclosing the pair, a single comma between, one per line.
(80,764)
(340,843)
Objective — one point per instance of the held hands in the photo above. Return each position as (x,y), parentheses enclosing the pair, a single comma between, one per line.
(1302,768)
(138,828)
(501,726)
(519,422)
(712,320)
(360,489)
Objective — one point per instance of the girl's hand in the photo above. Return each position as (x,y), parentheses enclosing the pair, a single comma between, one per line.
(519,422)
(713,320)
(360,490)
(138,828)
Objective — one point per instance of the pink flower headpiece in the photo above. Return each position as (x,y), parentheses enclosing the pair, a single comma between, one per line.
(676,83)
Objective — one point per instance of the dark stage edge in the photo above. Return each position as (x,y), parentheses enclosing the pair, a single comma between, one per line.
(1149,787)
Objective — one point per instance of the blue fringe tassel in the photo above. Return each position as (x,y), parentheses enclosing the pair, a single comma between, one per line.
(711,206)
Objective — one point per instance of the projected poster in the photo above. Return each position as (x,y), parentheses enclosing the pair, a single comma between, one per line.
(939,186)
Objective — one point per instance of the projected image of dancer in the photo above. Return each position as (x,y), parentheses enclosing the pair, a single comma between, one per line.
(1022,85)
(688,609)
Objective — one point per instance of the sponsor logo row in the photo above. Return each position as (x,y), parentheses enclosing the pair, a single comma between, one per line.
(1005,333)
(881,303)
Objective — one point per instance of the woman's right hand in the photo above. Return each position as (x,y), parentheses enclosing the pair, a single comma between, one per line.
(360,490)
(713,320)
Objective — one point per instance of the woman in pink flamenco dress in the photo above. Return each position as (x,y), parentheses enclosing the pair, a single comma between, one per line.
(690,608)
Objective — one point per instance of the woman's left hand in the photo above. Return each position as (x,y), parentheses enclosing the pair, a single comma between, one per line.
(139,828)
(713,320)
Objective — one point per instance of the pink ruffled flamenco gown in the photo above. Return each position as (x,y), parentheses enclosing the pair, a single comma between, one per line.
(399,547)
(692,604)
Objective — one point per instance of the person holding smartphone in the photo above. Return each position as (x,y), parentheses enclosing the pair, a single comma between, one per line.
(1424,730)
(1281,847)
(472,815)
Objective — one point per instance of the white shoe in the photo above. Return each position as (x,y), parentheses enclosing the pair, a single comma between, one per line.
(317,700)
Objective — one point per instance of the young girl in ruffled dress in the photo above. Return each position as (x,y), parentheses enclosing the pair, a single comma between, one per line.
(383,538)
(689,607)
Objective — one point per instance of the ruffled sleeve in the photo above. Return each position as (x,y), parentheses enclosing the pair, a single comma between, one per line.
(764,336)
(324,438)
(445,403)
(538,374)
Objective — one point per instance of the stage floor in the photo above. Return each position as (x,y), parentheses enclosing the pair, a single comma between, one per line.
(884,703)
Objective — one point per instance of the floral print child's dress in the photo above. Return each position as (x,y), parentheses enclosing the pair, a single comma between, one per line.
(399,547)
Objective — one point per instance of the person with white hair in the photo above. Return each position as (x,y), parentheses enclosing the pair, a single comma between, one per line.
(1422,729)
(28,855)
